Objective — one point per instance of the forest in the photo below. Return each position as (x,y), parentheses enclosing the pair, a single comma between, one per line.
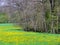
(32,15)
(35,21)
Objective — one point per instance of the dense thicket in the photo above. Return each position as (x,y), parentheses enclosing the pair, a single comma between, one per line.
(33,15)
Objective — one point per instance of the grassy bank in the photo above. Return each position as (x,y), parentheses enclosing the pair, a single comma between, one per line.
(10,35)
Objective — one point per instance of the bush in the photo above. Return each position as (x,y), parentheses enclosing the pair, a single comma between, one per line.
(3,18)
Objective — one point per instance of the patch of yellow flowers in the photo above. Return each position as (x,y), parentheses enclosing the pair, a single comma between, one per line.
(20,37)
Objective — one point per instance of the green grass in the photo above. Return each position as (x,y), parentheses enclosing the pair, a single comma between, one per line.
(13,35)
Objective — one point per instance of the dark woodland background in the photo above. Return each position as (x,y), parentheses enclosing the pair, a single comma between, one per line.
(32,15)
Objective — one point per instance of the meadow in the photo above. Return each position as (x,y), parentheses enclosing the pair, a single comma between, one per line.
(14,35)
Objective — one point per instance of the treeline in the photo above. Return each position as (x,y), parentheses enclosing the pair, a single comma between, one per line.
(34,15)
